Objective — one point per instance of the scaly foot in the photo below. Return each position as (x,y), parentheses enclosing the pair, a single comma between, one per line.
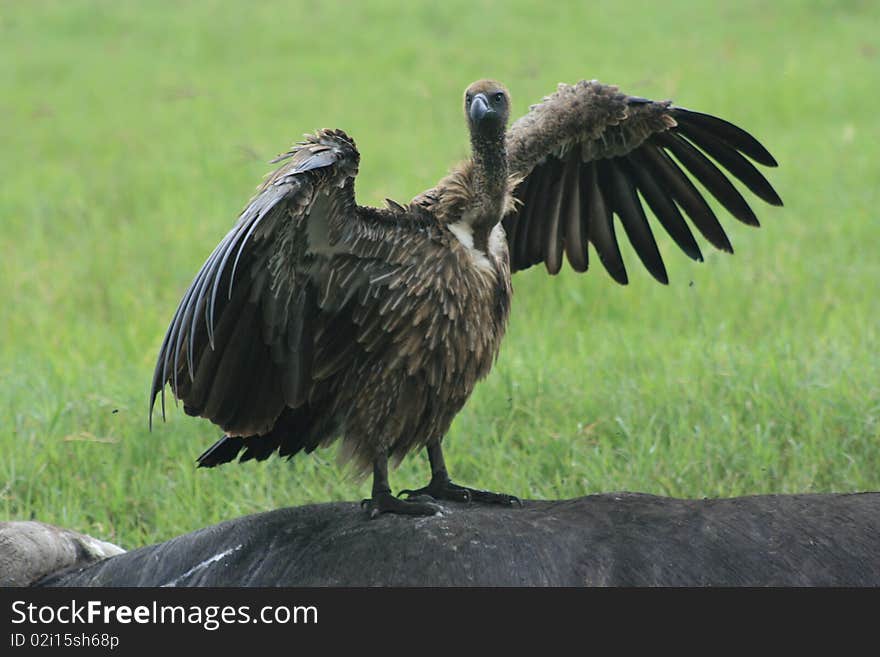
(385,502)
(441,488)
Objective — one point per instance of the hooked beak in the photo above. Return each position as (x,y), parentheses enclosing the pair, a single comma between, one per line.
(479,109)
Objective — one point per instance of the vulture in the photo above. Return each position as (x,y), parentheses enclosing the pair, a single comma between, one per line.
(317,319)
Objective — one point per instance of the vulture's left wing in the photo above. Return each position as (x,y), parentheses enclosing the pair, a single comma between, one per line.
(588,152)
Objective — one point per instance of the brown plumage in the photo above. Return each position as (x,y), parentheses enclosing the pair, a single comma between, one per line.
(316,318)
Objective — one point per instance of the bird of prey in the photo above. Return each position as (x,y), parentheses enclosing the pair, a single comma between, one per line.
(317,319)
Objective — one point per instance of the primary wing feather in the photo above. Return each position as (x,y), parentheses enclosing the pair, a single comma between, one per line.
(588,153)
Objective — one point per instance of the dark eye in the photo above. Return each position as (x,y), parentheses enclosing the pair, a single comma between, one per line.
(499,97)
(467,100)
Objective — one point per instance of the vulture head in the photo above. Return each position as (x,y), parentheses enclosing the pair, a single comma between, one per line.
(487,106)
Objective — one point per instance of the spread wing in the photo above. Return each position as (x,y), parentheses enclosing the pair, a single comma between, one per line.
(588,152)
(238,349)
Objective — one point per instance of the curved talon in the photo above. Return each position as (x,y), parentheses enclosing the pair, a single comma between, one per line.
(385,502)
(425,494)
(513,500)
(487,497)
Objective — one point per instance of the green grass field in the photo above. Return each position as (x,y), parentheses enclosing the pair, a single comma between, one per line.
(132,134)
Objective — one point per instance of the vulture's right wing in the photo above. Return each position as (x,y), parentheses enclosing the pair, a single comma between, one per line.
(587,152)
(238,349)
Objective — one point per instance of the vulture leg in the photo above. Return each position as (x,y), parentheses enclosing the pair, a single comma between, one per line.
(382,501)
(442,488)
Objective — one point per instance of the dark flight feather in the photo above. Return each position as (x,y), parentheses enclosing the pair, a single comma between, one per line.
(632,216)
(733,161)
(601,221)
(687,196)
(708,174)
(662,205)
(553,238)
(730,133)
(573,234)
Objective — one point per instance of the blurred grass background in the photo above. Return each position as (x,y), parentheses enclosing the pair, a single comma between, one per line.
(132,134)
